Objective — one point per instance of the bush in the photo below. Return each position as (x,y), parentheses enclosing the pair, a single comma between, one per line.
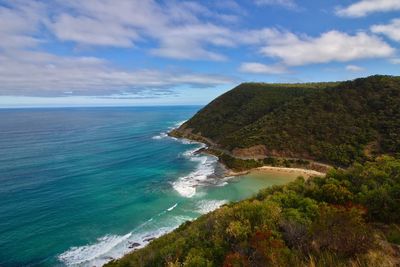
(314,222)
(340,230)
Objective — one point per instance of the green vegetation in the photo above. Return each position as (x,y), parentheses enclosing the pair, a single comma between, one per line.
(335,123)
(350,217)
(392,233)
(245,104)
(347,218)
(237,164)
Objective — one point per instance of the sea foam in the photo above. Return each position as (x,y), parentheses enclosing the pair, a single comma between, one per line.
(186,185)
(179,123)
(95,254)
(112,247)
(206,206)
(172,207)
(162,135)
(109,247)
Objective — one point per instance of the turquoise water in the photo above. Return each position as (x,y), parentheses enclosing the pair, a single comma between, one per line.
(80,186)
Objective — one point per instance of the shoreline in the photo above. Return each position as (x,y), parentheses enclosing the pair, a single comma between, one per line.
(307,172)
(313,168)
(229,172)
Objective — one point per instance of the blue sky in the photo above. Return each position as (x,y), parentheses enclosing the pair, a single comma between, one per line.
(147,52)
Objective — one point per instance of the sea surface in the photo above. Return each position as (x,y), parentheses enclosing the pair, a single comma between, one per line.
(80,186)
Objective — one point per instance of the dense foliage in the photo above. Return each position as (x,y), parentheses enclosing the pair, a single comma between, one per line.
(336,123)
(245,104)
(239,165)
(344,219)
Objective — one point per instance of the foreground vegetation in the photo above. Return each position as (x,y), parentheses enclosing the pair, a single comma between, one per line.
(334,123)
(348,218)
(240,165)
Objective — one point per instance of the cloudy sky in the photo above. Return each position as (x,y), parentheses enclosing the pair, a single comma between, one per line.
(148,52)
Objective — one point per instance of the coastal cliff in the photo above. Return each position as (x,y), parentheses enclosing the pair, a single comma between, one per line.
(350,217)
(333,123)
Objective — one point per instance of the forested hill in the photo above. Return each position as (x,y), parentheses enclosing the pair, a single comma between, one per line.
(336,123)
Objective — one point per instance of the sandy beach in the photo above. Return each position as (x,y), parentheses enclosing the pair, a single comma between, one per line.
(301,172)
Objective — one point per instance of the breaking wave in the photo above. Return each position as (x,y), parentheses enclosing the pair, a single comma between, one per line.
(206,206)
(112,247)
(202,175)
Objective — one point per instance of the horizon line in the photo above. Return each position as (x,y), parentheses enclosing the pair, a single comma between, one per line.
(102,106)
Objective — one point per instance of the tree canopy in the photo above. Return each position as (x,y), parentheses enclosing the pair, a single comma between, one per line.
(344,219)
(335,123)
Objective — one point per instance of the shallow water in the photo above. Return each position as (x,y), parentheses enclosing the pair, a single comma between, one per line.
(81,186)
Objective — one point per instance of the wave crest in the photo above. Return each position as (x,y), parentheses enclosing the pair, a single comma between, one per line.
(206,206)
(186,185)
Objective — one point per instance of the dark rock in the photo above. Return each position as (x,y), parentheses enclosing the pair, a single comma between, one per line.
(133,245)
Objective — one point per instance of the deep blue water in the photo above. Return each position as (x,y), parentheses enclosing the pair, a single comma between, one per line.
(81,185)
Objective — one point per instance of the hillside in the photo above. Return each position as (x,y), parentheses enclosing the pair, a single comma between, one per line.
(348,218)
(245,104)
(334,123)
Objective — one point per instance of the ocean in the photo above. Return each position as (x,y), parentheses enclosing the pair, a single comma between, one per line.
(81,186)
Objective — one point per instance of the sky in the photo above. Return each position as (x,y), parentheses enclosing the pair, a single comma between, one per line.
(148,52)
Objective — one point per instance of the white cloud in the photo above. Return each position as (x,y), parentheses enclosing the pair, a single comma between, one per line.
(26,71)
(366,7)
(186,42)
(174,29)
(177,27)
(88,31)
(391,30)
(42,74)
(18,24)
(258,68)
(285,3)
(354,68)
(395,60)
(295,50)
(261,36)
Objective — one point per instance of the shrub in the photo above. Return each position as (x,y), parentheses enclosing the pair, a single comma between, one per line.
(340,230)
